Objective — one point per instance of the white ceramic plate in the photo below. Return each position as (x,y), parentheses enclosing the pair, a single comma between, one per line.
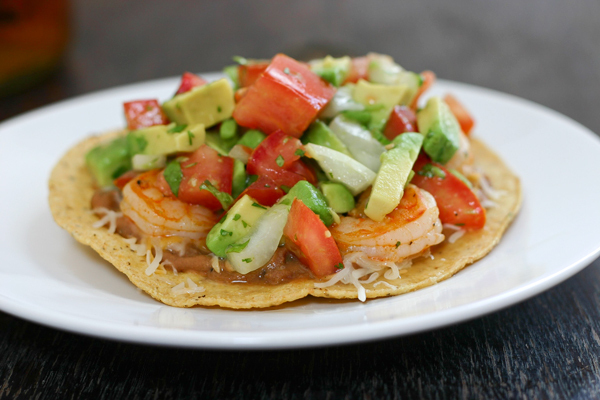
(47,277)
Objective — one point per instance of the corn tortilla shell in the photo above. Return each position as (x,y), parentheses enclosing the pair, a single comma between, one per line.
(71,188)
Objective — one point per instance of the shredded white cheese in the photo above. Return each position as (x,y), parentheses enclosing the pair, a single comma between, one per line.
(456,235)
(191,288)
(109,217)
(140,249)
(357,266)
(153,263)
(170,264)
(215,264)
(458,232)
(384,283)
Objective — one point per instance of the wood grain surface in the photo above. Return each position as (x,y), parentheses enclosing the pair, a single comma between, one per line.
(545,347)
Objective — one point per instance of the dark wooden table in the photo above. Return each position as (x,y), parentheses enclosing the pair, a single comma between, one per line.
(545,347)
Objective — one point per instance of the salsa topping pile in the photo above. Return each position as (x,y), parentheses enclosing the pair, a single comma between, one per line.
(283,153)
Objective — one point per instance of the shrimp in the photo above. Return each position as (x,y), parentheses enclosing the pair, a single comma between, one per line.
(412,227)
(159,215)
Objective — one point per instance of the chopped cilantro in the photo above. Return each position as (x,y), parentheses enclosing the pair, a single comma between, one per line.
(226,233)
(398,244)
(219,109)
(236,217)
(280,161)
(245,224)
(190,137)
(177,129)
(190,165)
(285,188)
(236,248)
(339,266)
(173,176)
(247,260)
(299,152)
(255,204)
(224,198)
(430,171)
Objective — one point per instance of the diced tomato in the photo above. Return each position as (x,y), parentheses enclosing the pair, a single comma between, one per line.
(460,112)
(264,190)
(278,158)
(201,165)
(239,94)
(457,203)
(144,113)
(189,81)
(287,96)
(250,72)
(428,81)
(358,70)
(310,240)
(122,180)
(402,119)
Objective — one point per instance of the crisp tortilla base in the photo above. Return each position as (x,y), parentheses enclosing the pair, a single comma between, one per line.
(71,189)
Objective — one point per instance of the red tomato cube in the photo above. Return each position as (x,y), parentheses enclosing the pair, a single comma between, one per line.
(188,82)
(310,240)
(287,96)
(460,112)
(144,113)
(402,119)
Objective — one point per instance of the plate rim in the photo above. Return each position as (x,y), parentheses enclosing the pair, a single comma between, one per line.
(329,336)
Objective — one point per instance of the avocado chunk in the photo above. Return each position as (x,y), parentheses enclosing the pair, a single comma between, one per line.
(238,183)
(319,133)
(252,138)
(396,165)
(338,197)
(108,161)
(333,70)
(207,104)
(341,168)
(222,146)
(237,223)
(386,96)
(382,69)
(166,139)
(312,198)
(359,141)
(441,130)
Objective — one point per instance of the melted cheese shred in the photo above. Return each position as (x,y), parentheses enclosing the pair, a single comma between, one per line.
(153,263)
(191,288)
(358,266)
(110,217)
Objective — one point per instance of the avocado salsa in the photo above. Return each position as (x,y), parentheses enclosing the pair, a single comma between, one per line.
(254,173)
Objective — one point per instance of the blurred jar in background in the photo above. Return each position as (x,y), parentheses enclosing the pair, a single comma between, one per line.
(33,37)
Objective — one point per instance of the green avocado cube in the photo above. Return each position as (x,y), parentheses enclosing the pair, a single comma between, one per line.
(396,166)
(319,133)
(108,161)
(237,223)
(312,198)
(166,139)
(333,70)
(441,130)
(207,104)
(338,197)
